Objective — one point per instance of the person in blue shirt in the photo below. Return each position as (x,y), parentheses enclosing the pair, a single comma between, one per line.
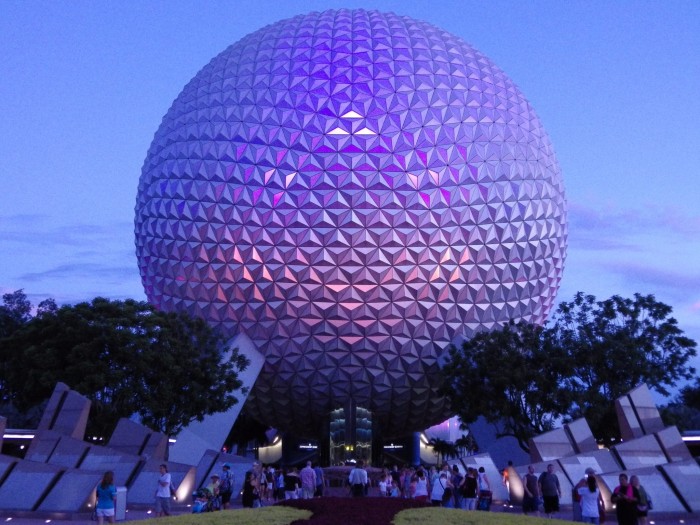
(106,498)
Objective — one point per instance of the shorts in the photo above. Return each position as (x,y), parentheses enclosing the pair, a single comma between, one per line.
(107,513)
(163,505)
(551,504)
(226,497)
(529,504)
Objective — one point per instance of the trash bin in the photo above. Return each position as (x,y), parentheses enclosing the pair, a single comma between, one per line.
(120,506)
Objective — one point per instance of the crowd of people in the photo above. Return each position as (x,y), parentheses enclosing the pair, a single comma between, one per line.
(630,499)
(445,487)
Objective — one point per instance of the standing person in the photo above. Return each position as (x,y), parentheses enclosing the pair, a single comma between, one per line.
(532,492)
(406,482)
(106,498)
(396,477)
(258,480)
(550,490)
(213,488)
(250,494)
(643,503)
(308,481)
(484,500)
(226,485)
(358,480)
(291,484)
(457,480)
(583,482)
(441,485)
(589,495)
(484,483)
(382,484)
(469,490)
(420,492)
(268,480)
(163,492)
(279,493)
(320,481)
(506,478)
(625,498)
(432,475)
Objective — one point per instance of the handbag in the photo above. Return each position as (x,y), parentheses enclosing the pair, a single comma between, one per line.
(447,495)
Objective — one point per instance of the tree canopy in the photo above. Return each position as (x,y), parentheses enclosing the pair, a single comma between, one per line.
(129,359)
(684,410)
(523,378)
(509,376)
(615,345)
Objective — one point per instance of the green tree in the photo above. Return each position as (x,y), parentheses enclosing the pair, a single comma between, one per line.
(443,449)
(128,358)
(466,444)
(509,376)
(613,346)
(690,395)
(684,410)
(15,311)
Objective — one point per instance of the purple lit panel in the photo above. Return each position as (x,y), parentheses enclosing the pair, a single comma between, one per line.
(354,190)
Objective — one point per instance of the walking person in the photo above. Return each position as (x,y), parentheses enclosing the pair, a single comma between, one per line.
(308,481)
(550,490)
(163,492)
(531,498)
(106,494)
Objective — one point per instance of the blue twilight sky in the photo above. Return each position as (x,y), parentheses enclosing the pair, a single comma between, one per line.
(84,85)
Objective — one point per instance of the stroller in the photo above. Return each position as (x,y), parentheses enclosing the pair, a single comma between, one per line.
(205,501)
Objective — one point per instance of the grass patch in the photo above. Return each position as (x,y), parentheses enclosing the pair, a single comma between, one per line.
(276,515)
(350,511)
(463,517)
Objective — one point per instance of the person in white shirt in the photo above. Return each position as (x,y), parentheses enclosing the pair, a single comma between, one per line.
(590,494)
(358,480)
(163,492)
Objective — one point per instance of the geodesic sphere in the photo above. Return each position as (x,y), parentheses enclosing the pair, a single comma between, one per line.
(353,190)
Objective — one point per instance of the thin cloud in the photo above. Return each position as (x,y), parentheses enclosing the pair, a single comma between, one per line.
(606,227)
(676,283)
(80,270)
(37,230)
